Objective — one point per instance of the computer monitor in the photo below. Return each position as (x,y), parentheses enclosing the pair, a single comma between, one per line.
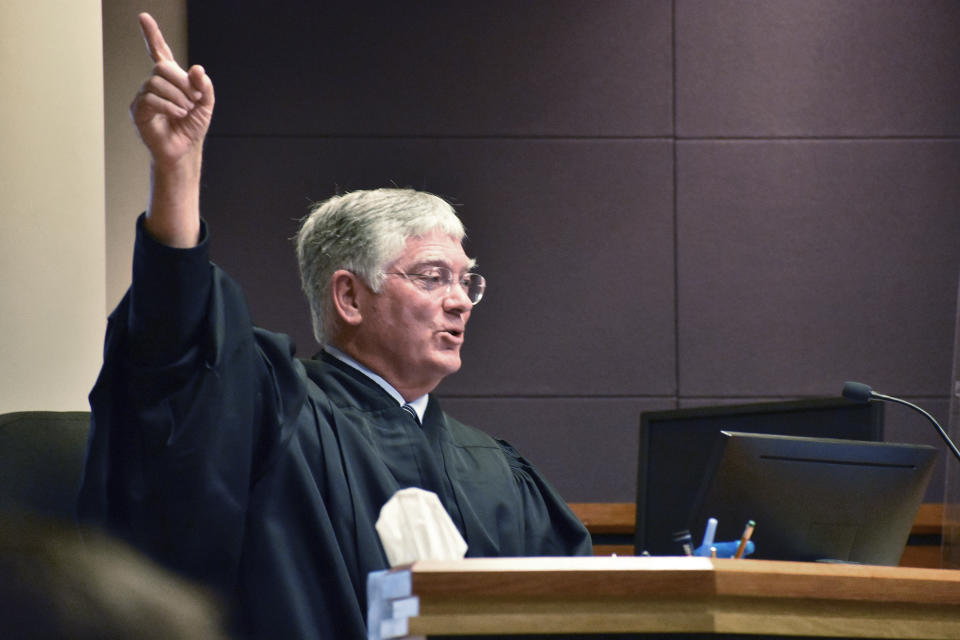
(676,445)
(815,498)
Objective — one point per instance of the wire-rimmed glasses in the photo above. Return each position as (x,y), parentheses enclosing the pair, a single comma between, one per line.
(438,279)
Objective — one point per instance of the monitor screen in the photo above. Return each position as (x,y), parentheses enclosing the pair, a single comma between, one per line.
(815,498)
(676,445)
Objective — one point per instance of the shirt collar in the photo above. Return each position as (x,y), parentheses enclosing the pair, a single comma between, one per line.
(419,405)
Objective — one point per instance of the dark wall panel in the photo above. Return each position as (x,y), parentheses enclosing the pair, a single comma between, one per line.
(807,235)
(575,237)
(803,264)
(817,68)
(382,67)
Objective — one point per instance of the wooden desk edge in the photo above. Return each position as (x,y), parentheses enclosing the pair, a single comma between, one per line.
(655,576)
(491,595)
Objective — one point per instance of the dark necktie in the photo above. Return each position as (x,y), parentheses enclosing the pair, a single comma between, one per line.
(412,412)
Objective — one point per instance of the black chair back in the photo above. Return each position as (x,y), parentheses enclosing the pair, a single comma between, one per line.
(41,460)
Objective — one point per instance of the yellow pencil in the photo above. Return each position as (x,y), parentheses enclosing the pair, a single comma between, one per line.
(747,532)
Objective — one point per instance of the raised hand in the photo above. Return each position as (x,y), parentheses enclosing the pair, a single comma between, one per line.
(173,108)
(172,112)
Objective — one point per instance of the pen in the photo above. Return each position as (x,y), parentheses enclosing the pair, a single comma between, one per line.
(709,534)
(747,532)
(685,540)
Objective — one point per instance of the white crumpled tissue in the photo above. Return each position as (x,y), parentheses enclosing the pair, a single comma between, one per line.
(413,526)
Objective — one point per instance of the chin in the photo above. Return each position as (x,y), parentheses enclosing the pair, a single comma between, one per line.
(448,364)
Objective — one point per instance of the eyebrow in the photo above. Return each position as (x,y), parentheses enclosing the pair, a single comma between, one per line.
(471,263)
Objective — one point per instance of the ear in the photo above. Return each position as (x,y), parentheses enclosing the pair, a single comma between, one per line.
(347,289)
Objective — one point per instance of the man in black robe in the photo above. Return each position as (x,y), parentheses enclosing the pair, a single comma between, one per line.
(219,453)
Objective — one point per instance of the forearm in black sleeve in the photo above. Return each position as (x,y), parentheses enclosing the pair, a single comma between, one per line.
(168,298)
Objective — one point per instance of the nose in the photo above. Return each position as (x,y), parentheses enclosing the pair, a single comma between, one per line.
(456,298)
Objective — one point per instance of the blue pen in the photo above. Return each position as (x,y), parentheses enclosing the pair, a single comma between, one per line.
(708,536)
(710,532)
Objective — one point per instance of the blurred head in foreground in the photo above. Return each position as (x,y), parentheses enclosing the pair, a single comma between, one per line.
(55,585)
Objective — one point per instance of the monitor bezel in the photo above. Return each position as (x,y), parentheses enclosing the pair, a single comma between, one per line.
(815,499)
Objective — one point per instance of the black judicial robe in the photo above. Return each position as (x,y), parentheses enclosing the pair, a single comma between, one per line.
(219,453)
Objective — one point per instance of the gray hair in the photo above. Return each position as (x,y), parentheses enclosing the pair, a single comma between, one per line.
(363,232)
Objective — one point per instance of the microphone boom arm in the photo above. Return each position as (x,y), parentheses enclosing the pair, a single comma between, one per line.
(943,434)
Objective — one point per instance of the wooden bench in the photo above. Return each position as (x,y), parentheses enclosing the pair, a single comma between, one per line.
(612,526)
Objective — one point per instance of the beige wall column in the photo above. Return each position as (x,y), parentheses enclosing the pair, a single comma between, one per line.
(52,292)
(73,178)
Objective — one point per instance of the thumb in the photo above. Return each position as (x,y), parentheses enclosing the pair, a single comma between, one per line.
(202,85)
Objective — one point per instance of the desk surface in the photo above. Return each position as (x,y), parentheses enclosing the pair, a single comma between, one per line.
(683,595)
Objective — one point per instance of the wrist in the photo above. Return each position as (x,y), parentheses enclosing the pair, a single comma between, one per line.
(182,169)
(173,215)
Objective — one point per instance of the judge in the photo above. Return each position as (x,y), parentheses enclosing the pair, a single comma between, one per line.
(218,452)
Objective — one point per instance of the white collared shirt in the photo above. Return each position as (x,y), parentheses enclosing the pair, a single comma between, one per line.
(419,405)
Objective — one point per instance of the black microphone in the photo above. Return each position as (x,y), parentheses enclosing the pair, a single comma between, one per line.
(859,392)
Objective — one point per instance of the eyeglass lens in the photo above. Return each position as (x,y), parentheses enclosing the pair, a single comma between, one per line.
(475,284)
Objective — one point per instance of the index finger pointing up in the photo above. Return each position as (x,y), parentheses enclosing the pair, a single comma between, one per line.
(156,45)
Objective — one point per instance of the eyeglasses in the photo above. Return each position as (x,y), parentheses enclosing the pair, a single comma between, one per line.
(440,279)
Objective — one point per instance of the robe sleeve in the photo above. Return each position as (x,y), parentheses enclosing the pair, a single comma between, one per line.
(550,527)
(189,403)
